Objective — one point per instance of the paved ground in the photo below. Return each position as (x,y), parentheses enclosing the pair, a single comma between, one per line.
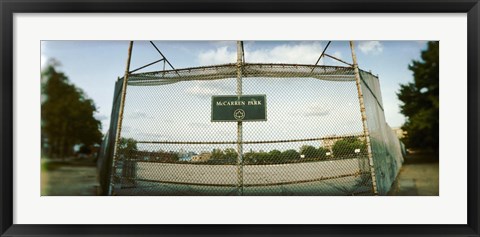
(253,174)
(418,176)
(68,178)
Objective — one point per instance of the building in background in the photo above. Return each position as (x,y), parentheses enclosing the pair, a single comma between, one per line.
(399,132)
(202,157)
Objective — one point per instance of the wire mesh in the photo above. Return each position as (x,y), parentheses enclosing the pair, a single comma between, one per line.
(386,147)
(311,144)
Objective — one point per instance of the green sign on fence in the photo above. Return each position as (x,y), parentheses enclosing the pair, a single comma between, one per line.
(232,108)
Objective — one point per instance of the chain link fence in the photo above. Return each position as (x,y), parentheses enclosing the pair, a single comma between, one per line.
(386,147)
(312,142)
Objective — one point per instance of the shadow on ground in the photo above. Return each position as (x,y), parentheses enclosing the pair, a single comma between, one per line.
(419,175)
(69,177)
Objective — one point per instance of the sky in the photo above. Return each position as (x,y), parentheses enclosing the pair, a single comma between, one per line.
(296,108)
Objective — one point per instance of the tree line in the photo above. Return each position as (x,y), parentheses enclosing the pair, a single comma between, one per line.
(350,147)
(67,115)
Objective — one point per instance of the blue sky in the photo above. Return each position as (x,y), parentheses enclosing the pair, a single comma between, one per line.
(94,66)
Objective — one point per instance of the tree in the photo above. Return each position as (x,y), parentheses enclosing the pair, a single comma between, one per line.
(227,156)
(322,153)
(308,151)
(347,146)
(127,146)
(420,101)
(249,157)
(67,115)
(290,155)
(312,153)
(262,157)
(274,156)
(230,155)
(217,154)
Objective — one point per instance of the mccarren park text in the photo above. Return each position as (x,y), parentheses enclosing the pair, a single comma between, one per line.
(234,108)
(238,102)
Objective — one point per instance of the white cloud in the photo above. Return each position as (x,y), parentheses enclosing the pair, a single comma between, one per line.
(220,55)
(333,62)
(205,89)
(337,54)
(315,110)
(150,135)
(374,47)
(100,117)
(300,53)
(43,60)
(138,115)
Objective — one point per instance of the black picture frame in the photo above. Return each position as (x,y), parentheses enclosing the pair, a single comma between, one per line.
(9,7)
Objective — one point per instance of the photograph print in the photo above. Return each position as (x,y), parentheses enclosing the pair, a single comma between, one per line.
(239,118)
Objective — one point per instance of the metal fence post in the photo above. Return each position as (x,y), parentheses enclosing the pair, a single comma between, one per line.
(239,123)
(120,119)
(364,119)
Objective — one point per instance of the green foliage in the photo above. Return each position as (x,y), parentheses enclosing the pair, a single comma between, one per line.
(274,155)
(127,145)
(217,154)
(264,158)
(67,115)
(347,146)
(312,153)
(230,154)
(308,151)
(290,155)
(227,156)
(249,158)
(322,153)
(421,101)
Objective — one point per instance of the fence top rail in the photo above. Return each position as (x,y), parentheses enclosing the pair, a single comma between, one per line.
(249,70)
